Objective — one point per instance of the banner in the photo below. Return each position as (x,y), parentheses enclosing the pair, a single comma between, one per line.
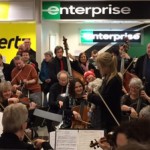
(94,36)
(12,35)
(53,10)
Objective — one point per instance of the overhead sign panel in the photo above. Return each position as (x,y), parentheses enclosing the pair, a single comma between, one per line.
(92,36)
(95,10)
(17,11)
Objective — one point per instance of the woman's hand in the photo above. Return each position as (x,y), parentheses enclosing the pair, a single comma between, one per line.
(13,100)
(32,105)
(145,96)
(77,116)
(133,114)
(38,143)
(104,144)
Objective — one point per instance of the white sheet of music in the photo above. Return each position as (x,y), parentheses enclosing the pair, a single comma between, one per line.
(86,136)
(66,139)
(76,139)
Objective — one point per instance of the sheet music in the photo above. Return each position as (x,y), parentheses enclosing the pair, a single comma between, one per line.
(1,127)
(77,139)
(52,139)
(66,139)
(86,136)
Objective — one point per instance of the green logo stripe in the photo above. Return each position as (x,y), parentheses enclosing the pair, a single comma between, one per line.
(86,36)
(50,10)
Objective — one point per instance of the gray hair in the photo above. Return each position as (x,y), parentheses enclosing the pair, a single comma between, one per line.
(14,116)
(50,53)
(145,112)
(62,72)
(136,82)
(4,86)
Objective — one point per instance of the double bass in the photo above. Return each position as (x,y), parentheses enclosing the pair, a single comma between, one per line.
(73,73)
(127,76)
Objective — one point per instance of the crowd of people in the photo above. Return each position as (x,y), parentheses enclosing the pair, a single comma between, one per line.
(100,100)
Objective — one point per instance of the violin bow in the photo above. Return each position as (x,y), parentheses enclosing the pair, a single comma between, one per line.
(108,108)
(16,76)
(128,67)
(26,78)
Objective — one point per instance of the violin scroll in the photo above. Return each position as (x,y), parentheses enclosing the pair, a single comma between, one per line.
(94,144)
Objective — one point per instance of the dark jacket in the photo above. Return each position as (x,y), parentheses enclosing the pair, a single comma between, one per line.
(11,141)
(45,73)
(6,72)
(111,93)
(32,54)
(55,91)
(55,67)
(139,70)
(139,66)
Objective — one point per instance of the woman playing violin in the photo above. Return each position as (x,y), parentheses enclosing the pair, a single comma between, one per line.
(130,101)
(7,97)
(75,98)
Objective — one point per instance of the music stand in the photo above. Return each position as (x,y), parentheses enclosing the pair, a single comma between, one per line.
(49,116)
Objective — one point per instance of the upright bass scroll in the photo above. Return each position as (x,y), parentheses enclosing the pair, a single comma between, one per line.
(72,72)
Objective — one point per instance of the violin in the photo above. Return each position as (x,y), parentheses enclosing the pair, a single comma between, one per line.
(108,139)
(22,99)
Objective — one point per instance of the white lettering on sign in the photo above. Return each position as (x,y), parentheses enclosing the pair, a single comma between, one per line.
(54,10)
(112,36)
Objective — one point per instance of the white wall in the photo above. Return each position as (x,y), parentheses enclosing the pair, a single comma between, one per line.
(49,28)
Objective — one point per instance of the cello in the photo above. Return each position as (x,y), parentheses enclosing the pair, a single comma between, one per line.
(82,109)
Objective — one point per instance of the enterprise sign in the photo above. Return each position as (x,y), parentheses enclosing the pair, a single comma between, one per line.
(53,10)
(92,36)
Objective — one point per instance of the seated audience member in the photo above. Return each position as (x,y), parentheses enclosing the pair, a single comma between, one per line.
(14,123)
(135,100)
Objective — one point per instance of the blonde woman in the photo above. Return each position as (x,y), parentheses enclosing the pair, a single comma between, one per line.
(110,90)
